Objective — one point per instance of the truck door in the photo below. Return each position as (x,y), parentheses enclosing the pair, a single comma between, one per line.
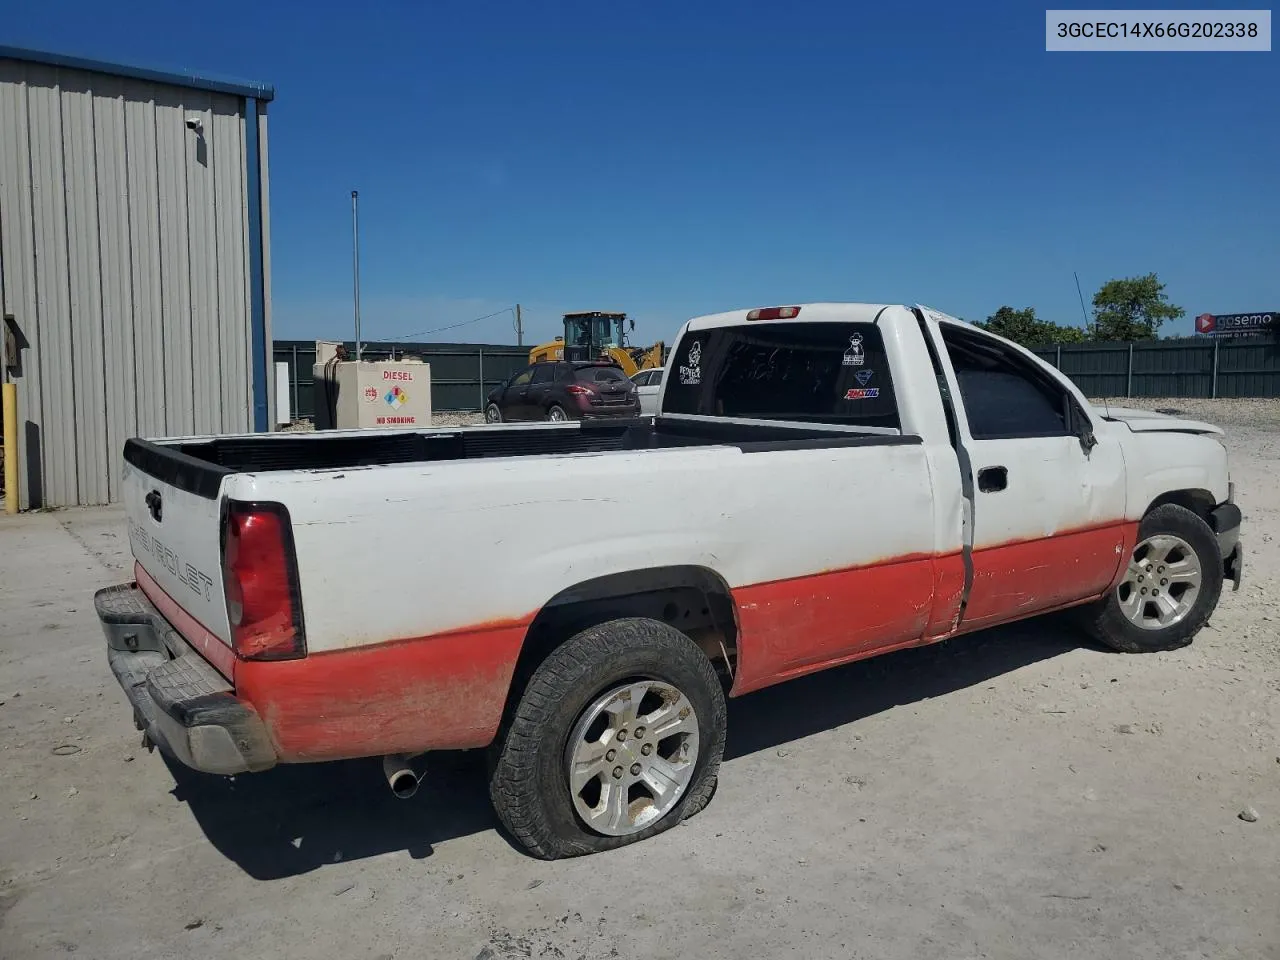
(1048,523)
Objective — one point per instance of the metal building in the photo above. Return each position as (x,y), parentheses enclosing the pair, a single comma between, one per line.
(133,261)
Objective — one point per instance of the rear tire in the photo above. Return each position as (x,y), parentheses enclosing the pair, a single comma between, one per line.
(1176,553)
(557,414)
(580,697)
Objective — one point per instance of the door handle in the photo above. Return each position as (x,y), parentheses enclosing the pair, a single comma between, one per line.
(993,479)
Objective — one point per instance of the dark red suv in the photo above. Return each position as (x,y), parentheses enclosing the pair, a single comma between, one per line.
(564,390)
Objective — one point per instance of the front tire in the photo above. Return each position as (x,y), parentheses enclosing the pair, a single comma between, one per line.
(617,737)
(492,414)
(1170,589)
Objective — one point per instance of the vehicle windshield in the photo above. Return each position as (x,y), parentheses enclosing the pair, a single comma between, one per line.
(593,331)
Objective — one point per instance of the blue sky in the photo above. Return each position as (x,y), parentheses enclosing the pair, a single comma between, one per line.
(674,159)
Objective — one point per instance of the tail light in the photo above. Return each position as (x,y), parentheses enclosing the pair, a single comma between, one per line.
(577,390)
(773,313)
(259,571)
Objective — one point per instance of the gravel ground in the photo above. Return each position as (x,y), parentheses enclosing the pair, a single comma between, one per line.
(1010,794)
(457,419)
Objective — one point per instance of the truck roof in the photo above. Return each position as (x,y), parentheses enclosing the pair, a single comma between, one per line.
(829,312)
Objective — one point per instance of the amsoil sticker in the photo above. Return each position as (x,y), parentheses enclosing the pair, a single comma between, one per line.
(861,393)
(864,377)
(854,357)
(691,369)
(396,398)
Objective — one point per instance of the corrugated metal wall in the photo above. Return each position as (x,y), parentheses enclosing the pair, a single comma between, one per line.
(1185,367)
(462,374)
(124,247)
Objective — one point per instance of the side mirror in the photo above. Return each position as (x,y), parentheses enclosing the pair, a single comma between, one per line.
(633,323)
(1081,426)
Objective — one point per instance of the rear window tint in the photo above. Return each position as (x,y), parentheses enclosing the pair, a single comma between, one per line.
(813,372)
(600,374)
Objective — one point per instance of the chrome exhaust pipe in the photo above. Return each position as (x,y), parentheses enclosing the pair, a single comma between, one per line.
(401,777)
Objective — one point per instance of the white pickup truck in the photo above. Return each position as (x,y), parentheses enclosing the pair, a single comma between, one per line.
(822,483)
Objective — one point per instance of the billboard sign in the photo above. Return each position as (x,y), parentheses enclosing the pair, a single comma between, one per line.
(1238,324)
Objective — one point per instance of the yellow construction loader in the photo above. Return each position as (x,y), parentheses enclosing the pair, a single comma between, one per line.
(594,335)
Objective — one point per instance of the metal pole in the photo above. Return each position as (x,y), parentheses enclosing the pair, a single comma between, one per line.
(519,327)
(1128,380)
(483,397)
(1213,386)
(294,371)
(1057,362)
(9,400)
(355,260)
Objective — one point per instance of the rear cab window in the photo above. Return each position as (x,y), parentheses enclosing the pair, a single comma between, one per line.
(810,372)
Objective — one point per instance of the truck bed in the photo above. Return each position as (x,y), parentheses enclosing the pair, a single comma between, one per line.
(199,465)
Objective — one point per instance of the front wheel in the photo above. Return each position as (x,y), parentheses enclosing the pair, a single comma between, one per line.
(492,414)
(618,736)
(1170,587)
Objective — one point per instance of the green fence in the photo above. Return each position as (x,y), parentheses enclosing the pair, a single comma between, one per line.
(1187,367)
(461,373)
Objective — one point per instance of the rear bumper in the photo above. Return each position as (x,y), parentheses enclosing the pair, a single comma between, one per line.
(610,413)
(1225,520)
(179,700)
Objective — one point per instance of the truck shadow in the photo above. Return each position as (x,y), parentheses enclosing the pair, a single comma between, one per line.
(295,819)
(832,698)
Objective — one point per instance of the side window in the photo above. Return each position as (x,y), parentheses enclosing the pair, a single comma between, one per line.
(655,378)
(523,378)
(1004,396)
(808,372)
(642,378)
(544,373)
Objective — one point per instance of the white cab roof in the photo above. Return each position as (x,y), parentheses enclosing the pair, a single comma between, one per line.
(815,312)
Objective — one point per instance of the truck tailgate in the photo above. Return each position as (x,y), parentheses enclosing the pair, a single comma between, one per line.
(175,534)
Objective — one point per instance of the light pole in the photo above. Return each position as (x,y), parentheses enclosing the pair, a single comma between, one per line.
(355,260)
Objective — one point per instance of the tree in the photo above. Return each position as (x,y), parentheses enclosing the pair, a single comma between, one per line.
(1132,309)
(1025,328)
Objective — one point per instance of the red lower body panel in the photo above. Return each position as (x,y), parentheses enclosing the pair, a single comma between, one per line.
(441,692)
(1015,580)
(791,627)
(448,691)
